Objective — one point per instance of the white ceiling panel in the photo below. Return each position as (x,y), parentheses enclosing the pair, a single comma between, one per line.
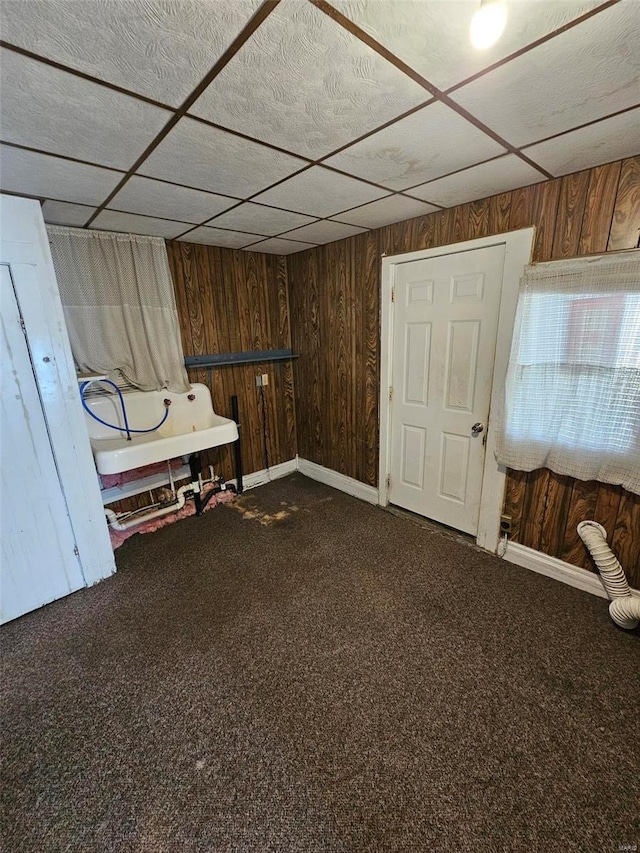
(385,211)
(419,148)
(257,217)
(201,156)
(496,176)
(158,49)
(432,36)
(588,72)
(218,237)
(61,213)
(278,246)
(49,109)
(307,85)
(611,139)
(154,198)
(131,223)
(51,177)
(320,192)
(324,232)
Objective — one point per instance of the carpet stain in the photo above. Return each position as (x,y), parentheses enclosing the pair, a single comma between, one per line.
(251,512)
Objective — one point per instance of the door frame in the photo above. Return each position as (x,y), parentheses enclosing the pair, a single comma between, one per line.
(518,249)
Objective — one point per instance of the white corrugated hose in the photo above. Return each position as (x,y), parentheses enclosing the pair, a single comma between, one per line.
(625,606)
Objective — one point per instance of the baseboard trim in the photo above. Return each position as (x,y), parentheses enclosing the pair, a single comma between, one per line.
(551,567)
(338,481)
(260,478)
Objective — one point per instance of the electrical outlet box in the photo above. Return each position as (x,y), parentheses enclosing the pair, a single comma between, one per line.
(258,380)
(265,378)
(505,524)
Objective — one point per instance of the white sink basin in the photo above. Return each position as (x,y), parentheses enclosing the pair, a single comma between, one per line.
(191,425)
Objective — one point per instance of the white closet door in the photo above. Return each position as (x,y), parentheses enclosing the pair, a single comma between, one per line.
(446,319)
(39,555)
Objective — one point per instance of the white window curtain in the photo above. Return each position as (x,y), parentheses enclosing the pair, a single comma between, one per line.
(572,393)
(119,306)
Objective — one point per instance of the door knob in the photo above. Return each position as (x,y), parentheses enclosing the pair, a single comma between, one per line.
(476,429)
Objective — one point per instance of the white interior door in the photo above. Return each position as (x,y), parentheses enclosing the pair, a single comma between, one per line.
(444,339)
(39,559)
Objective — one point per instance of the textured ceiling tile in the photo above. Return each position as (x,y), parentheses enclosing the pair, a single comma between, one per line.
(49,109)
(276,246)
(611,139)
(584,74)
(304,83)
(50,177)
(324,232)
(394,208)
(419,148)
(320,192)
(433,36)
(61,213)
(261,219)
(203,157)
(158,49)
(154,198)
(497,176)
(130,223)
(219,237)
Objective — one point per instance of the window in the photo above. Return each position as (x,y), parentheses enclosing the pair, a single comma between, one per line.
(572,395)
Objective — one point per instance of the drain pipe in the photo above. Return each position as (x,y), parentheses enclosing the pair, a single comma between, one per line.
(165,510)
(625,606)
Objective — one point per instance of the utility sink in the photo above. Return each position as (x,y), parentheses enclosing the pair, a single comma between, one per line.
(191,425)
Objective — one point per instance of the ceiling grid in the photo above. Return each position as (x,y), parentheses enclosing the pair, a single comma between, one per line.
(279,125)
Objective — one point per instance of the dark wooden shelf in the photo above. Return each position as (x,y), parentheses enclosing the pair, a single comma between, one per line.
(219,359)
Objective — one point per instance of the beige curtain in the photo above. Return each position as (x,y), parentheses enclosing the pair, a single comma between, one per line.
(119,306)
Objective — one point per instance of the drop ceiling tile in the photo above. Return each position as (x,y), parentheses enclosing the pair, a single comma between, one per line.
(258,217)
(324,232)
(497,176)
(61,213)
(385,211)
(204,157)
(155,198)
(419,148)
(276,246)
(320,192)
(432,36)
(304,83)
(603,142)
(131,223)
(586,73)
(219,237)
(51,177)
(161,50)
(58,112)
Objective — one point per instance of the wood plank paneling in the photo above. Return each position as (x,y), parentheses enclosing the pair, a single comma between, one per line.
(569,215)
(578,214)
(625,227)
(598,211)
(547,196)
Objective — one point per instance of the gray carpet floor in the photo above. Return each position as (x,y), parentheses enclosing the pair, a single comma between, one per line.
(304,672)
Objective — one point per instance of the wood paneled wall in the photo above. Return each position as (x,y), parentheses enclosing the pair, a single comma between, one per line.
(334,294)
(233,301)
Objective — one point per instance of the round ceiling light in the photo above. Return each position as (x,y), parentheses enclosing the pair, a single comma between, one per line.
(487,24)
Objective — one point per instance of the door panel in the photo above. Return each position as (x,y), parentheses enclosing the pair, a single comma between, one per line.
(39,563)
(444,333)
